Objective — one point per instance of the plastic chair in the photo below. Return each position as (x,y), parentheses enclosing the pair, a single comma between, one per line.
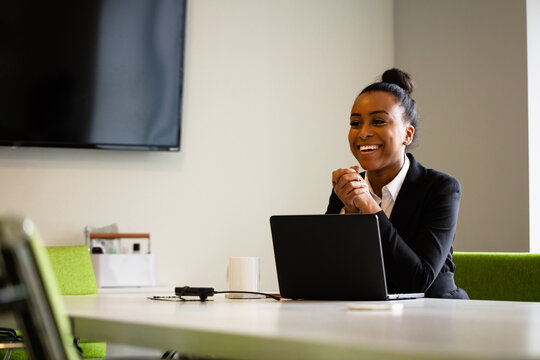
(498,276)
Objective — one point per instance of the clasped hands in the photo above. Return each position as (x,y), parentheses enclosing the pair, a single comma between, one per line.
(352,190)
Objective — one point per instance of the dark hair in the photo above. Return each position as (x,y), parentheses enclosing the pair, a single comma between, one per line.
(398,83)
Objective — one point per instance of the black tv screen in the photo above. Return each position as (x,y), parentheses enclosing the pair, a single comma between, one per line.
(92,74)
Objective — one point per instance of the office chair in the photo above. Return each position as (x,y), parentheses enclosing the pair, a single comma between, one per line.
(29,291)
(74,275)
(498,276)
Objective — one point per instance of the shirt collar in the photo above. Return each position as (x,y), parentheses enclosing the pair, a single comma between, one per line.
(394,186)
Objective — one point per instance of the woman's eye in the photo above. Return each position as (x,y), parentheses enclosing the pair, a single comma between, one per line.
(355,123)
(378,121)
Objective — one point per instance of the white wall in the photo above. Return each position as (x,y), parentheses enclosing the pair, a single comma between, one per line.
(469,62)
(533,70)
(268,90)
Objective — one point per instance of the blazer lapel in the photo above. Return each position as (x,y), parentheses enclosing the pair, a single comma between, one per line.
(410,192)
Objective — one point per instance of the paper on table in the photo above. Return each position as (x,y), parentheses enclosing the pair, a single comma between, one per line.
(386,306)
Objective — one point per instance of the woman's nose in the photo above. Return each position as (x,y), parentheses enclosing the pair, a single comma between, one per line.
(365,131)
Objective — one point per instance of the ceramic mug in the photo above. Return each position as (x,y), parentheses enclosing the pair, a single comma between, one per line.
(243,274)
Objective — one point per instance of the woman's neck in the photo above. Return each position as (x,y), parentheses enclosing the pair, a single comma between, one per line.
(379,178)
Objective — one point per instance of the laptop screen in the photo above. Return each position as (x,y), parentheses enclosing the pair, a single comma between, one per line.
(329,257)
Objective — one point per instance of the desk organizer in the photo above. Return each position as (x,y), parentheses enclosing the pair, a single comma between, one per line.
(123,269)
(118,270)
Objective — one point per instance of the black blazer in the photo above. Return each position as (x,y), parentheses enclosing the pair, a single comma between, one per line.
(417,239)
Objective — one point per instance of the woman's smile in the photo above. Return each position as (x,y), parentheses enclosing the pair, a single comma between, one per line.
(368,149)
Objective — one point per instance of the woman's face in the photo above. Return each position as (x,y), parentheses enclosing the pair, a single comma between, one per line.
(379,133)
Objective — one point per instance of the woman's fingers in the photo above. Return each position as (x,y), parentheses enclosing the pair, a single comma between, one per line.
(337,174)
(341,177)
(354,187)
(359,189)
(351,199)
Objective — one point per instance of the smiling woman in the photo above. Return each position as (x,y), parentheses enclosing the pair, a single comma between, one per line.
(417,207)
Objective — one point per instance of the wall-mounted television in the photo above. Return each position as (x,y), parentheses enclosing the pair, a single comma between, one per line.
(104,74)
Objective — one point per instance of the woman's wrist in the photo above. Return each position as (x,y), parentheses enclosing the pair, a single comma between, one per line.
(366,205)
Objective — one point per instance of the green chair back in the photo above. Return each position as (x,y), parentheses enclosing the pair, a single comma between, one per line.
(498,276)
(73,269)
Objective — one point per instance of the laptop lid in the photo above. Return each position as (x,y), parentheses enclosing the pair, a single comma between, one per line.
(329,257)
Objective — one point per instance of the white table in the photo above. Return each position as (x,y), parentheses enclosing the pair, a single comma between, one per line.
(268,329)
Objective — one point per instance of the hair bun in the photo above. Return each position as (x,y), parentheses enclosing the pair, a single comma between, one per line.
(400,78)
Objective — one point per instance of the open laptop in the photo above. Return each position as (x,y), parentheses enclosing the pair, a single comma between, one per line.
(330,257)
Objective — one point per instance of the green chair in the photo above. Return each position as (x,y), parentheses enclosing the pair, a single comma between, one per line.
(498,276)
(28,289)
(75,276)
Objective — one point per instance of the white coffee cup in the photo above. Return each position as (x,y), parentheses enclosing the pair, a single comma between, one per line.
(243,274)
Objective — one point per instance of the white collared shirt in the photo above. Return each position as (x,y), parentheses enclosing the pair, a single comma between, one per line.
(391,190)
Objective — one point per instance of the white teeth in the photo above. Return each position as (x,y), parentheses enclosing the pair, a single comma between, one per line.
(368,147)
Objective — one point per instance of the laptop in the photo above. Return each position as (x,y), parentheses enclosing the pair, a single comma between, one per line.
(330,257)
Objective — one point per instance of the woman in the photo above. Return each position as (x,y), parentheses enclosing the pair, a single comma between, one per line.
(417,207)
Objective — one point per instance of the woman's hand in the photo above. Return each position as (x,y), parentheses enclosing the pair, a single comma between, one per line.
(353,191)
(348,184)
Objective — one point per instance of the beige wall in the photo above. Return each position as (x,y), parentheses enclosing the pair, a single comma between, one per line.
(268,90)
(469,62)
